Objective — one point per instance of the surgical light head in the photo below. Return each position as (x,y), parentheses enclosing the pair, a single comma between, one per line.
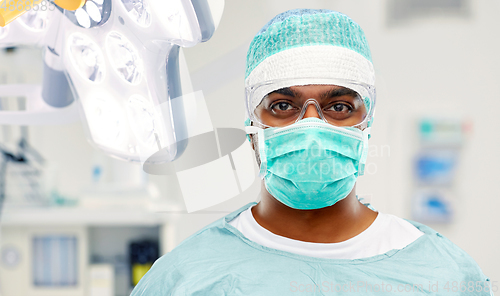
(124,63)
(92,14)
(309,47)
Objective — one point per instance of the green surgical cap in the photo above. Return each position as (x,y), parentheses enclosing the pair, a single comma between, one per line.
(306,27)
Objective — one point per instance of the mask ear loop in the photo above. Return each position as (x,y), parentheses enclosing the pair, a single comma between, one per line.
(365,128)
(306,105)
(262,154)
(364,153)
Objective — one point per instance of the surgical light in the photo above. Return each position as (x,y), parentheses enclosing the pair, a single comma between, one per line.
(94,13)
(69,4)
(128,112)
(51,101)
(83,18)
(138,11)
(177,21)
(124,57)
(140,111)
(86,57)
(105,121)
(35,19)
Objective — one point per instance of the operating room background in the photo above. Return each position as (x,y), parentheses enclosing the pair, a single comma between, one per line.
(441,64)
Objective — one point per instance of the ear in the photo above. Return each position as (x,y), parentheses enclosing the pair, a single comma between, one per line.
(248,122)
(252,142)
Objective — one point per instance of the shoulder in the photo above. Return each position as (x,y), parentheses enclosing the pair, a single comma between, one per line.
(395,226)
(191,259)
(184,261)
(440,251)
(214,233)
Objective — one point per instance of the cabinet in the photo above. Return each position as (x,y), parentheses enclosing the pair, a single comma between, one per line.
(31,237)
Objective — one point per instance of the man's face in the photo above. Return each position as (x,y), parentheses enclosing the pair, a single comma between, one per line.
(339,106)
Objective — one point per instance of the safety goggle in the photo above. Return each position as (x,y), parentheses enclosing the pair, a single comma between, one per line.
(338,102)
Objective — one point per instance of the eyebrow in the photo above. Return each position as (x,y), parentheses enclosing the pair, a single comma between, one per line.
(339,92)
(285,91)
(335,92)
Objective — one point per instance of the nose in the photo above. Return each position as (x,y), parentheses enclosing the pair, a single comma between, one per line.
(311,111)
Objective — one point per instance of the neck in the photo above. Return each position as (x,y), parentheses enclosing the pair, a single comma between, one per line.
(339,222)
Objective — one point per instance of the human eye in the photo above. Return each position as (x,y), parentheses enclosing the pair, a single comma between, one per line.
(281,106)
(340,107)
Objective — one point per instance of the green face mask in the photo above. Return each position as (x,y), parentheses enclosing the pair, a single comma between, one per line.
(311,164)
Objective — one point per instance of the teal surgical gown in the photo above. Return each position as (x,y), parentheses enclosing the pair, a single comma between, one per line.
(218,260)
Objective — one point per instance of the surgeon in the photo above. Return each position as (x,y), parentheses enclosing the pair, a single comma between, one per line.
(310,99)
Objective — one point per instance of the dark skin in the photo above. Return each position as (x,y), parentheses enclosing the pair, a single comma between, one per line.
(339,222)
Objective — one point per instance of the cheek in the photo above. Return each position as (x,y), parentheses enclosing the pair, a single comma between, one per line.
(360,115)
